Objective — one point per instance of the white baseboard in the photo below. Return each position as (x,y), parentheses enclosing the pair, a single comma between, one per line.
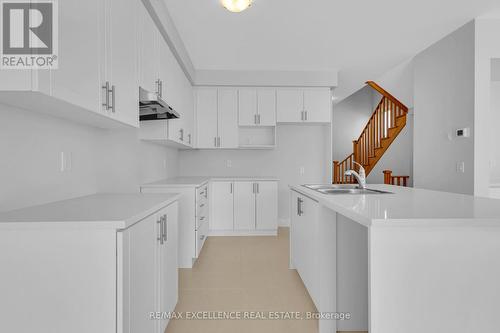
(243,233)
(284,222)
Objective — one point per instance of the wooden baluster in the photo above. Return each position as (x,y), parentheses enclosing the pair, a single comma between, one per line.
(387,177)
(405,179)
(398,180)
(335,172)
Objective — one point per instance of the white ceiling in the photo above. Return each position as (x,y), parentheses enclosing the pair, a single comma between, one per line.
(362,39)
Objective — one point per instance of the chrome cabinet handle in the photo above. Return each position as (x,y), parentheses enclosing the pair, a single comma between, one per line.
(299,206)
(202,237)
(231,188)
(202,205)
(160,236)
(305,115)
(255,119)
(202,218)
(189,138)
(106,89)
(253,188)
(257,185)
(165,227)
(218,141)
(206,192)
(181,132)
(159,89)
(258,119)
(215,141)
(113,99)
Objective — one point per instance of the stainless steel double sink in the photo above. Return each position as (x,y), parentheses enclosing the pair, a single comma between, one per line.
(343,189)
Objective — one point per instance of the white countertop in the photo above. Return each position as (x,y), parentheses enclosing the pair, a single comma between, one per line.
(197,181)
(410,206)
(115,211)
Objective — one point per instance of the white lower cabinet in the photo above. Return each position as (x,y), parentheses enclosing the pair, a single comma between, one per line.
(150,260)
(242,207)
(99,274)
(193,219)
(313,253)
(304,233)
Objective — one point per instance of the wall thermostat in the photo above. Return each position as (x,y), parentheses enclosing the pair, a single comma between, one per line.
(463,132)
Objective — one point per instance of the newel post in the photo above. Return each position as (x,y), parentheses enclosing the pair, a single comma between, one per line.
(335,171)
(387,177)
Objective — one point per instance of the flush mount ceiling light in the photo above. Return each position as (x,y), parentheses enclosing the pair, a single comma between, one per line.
(236,6)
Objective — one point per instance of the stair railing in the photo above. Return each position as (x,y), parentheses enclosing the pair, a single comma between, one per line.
(376,130)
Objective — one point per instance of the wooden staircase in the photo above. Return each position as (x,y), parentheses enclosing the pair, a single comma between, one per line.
(385,124)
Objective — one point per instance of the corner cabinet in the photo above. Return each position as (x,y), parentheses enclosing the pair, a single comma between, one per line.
(304,105)
(244,207)
(159,72)
(96,82)
(193,219)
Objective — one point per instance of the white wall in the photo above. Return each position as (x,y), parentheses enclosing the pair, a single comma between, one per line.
(30,147)
(443,102)
(495,132)
(487,47)
(297,146)
(349,119)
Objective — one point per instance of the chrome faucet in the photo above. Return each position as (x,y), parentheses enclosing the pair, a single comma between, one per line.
(360,177)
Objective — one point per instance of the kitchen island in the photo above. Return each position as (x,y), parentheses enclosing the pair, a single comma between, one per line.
(409,261)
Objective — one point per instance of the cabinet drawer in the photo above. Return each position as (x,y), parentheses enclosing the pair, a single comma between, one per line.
(201,237)
(201,219)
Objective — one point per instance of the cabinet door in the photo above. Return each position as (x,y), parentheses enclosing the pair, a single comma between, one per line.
(168,264)
(79,77)
(266,107)
(244,206)
(143,274)
(228,118)
(290,104)
(206,115)
(121,64)
(148,51)
(317,104)
(267,206)
(222,206)
(247,107)
(308,268)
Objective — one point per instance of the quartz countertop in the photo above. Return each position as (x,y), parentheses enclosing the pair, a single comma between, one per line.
(197,181)
(116,211)
(410,206)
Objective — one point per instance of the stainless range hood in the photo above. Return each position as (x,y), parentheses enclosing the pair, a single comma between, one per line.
(152,107)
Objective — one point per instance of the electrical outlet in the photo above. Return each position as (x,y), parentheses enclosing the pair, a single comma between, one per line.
(461,167)
(229,164)
(302,170)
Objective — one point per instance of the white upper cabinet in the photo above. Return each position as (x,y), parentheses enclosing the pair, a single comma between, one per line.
(247,107)
(206,115)
(217,117)
(148,51)
(266,106)
(228,118)
(121,60)
(318,105)
(97,48)
(81,57)
(290,105)
(257,107)
(309,105)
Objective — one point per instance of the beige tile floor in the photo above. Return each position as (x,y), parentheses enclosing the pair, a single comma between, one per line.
(243,274)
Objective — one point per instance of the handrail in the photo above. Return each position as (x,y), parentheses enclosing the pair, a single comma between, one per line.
(385,93)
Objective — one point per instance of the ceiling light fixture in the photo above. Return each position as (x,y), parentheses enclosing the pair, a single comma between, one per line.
(236,6)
